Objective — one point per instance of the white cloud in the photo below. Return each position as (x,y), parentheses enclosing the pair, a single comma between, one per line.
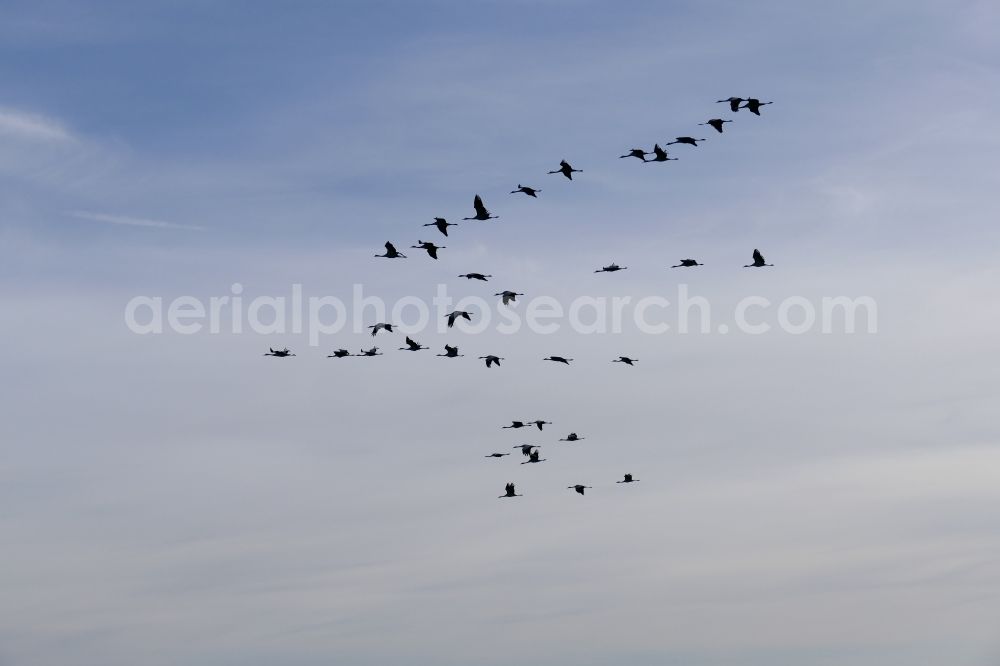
(132,221)
(31,126)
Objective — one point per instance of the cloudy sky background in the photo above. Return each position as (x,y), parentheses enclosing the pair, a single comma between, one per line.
(814,499)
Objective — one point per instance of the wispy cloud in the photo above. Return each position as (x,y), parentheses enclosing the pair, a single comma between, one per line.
(132,221)
(31,126)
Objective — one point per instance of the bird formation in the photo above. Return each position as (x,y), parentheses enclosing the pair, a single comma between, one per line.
(482,214)
(533,454)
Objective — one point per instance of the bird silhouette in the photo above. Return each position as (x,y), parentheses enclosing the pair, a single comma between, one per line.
(533,458)
(432,249)
(412,345)
(636,152)
(496,455)
(370,352)
(758,261)
(625,359)
(539,423)
(572,437)
(579,488)
(566,169)
(452,316)
(753,105)
(660,155)
(340,353)
(476,276)
(526,449)
(508,296)
(481,213)
(450,352)
(530,191)
(391,252)
(517,424)
(509,491)
(734,103)
(687,263)
(716,124)
(611,269)
(492,360)
(441,224)
(686,139)
(558,359)
(378,327)
(280,353)
(628,479)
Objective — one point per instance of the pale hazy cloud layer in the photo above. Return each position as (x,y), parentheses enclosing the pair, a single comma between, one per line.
(804,499)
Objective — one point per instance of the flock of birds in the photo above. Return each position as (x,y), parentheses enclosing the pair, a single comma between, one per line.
(532,451)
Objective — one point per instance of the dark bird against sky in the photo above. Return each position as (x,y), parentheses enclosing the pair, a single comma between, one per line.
(687,263)
(508,296)
(430,247)
(412,345)
(716,123)
(636,152)
(509,491)
(391,252)
(380,327)
(533,457)
(660,155)
(492,360)
(686,139)
(758,261)
(482,214)
(734,103)
(452,316)
(441,224)
(753,105)
(566,169)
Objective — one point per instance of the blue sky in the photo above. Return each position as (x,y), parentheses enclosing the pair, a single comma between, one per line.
(811,499)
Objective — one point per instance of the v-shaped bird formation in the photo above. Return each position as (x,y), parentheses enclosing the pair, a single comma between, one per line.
(531,452)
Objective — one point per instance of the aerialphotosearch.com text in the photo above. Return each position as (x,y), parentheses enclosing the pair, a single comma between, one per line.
(320,316)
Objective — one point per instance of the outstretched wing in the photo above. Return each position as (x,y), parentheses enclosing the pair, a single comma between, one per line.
(390,248)
(758,257)
(477,203)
